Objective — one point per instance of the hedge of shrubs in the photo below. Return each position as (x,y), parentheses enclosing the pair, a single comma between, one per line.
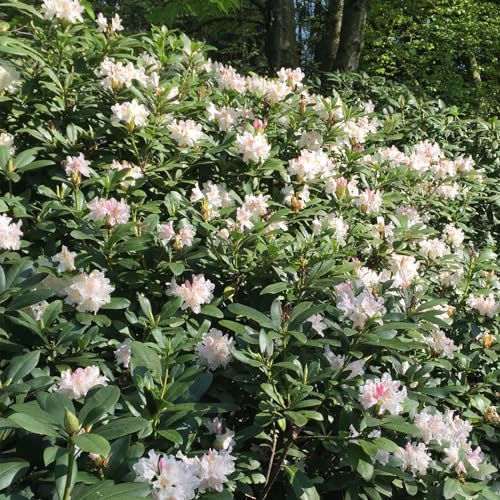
(224,286)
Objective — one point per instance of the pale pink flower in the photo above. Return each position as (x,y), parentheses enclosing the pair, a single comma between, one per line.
(77,165)
(123,353)
(484,305)
(414,458)
(214,468)
(132,113)
(186,132)
(65,260)
(166,232)
(359,309)
(77,384)
(7,139)
(317,324)
(475,458)
(118,75)
(171,478)
(369,201)
(311,164)
(383,393)
(10,233)
(440,344)
(453,235)
(111,211)
(310,140)
(253,147)
(133,173)
(186,235)
(433,248)
(214,349)
(404,269)
(66,10)
(89,292)
(194,294)
(292,77)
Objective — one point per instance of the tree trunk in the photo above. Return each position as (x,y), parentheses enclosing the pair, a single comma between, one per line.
(330,41)
(281,46)
(351,35)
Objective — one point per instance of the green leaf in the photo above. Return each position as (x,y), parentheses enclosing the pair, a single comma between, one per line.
(302,487)
(117,303)
(451,487)
(214,312)
(365,469)
(52,312)
(29,299)
(253,314)
(274,288)
(11,470)
(31,424)
(146,307)
(170,308)
(4,156)
(105,490)
(92,443)
(144,356)
(122,427)
(135,244)
(386,444)
(98,403)
(171,435)
(20,366)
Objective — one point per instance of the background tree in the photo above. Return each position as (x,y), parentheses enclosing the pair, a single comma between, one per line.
(445,48)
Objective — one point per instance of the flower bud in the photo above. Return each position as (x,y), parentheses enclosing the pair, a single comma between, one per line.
(71,423)
(491,416)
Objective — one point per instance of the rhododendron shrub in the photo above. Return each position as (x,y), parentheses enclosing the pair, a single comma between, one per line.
(215,285)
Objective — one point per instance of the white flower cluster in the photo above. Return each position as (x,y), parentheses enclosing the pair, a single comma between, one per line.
(133,173)
(193,293)
(427,159)
(334,223)
(213,197)
(384,394)
(414,457)
(10,233)
(253,147)
(184,238)
(111,212)
(452,433)
(440,344)
(89,291)
(186,133)
(65,260)
(337,362)
(484,305)
(358,309)
(132,113)
(7,139)
(254,206)
(10,78)
(77,384)
(69,11)
(311,164)
(214,349)
(179,477)
(109,27)
(123,353)
(77,165)
(223,439)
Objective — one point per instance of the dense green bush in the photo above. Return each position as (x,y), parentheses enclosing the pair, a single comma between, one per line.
(221,286)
